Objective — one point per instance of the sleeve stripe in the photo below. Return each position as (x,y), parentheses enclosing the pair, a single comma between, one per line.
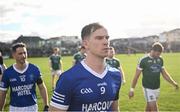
(139,68)
(60,95)
(59,106)
(58,100)
(3,89)
(55,96)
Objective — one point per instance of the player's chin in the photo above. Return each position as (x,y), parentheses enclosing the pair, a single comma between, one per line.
(23,61)
(104,55)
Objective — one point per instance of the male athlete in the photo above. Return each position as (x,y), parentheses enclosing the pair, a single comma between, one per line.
(55,63)
(151,66)
(22,78)
(2,65)
(79,56)
(89,85)
(114,62)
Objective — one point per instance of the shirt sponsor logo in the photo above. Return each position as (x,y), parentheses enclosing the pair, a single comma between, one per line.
(155,68)
(98,106)
(86,90)
(23,90)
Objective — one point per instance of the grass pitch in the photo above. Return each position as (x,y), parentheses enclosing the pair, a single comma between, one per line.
(169,99)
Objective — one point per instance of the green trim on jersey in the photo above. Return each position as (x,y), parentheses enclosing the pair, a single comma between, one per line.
(55,61)
(113,62)
(151,69)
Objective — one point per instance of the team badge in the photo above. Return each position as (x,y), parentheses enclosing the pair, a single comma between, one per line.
(22,77)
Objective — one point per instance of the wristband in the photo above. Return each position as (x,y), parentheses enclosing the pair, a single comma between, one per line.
(132,89)
(46,107)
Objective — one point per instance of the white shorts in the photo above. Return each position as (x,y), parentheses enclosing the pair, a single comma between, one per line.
(33,108)
(151,94)
(56,72)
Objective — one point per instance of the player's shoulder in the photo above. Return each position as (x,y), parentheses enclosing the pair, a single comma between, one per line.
(9,69)
(33,67)
(144,58)
(73,72)
(114,73)
(77,54)
(160,57)
(116,59)
(113,70)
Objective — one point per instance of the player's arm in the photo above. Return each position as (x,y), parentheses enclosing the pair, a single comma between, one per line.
(115,106)
(50,63)
(168,78)
(5,67)
(54,109)
(61,65)
(61,97)
(0,74)
(134,82)
(43,91)
(2,99)
(123,76)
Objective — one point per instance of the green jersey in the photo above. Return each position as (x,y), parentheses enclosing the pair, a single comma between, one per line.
(79,57)
(151,69)
(55,61)
(113,62)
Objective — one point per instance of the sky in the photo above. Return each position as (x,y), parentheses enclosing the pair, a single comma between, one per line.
(122,18)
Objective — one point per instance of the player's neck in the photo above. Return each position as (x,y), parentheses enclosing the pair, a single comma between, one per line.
(151,55)
(21,66)
(96,64)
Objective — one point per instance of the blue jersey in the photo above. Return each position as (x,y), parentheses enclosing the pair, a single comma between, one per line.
(82,89)
(22,85)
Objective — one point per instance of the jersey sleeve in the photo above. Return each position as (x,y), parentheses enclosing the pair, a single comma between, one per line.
(140,65)
(61,97)
(38,75)
(118,83)
(4,83)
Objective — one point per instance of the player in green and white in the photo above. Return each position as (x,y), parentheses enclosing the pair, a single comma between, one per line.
(55,63)
(79,56)
(151,66)
(114,62)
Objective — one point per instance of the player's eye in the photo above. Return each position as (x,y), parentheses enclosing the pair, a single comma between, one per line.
(99,37)
(107,37)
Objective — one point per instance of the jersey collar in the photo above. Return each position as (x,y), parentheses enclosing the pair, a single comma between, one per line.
(101,76)
(21,71)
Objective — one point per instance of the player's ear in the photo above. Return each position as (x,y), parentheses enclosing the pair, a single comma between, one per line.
(13,55)
(85,43)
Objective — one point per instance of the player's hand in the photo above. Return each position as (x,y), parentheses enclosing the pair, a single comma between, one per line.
(176,86)
(123,82)
(46,107)
(131,94)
